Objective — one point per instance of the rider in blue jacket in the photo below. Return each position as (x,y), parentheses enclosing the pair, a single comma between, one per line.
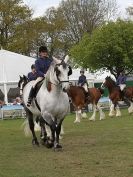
(83,83)
(42,65)
(82,79)
(33,74)
(121,82)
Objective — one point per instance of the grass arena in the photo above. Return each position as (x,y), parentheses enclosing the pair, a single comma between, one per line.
(91,149)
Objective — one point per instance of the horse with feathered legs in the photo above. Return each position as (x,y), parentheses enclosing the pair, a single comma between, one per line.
(115,96)
(51,102)
(81,97)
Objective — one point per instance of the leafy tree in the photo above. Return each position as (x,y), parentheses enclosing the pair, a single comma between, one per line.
(12,14)
(85,16)
(110,47)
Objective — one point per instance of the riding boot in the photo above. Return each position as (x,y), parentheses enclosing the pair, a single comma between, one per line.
(122,95)
(87,97)
(31,95)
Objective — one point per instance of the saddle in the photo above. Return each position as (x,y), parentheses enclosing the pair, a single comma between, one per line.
(37,87)
(87,95)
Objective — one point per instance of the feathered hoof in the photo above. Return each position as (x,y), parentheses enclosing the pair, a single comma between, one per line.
(76,121)
(91,119)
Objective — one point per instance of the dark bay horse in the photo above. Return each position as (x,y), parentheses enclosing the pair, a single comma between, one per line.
(115,96)
(79,100)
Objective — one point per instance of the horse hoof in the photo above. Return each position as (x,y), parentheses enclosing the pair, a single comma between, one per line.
(49,144)
(91,119)
(76,121)
(35,142)
(57,147)
(43,141)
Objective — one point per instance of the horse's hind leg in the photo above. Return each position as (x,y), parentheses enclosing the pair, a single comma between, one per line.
(31,125)
(102,115)
(112,111)
(93,117)
(130,109)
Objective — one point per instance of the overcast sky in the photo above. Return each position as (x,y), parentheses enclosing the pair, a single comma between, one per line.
(39,6)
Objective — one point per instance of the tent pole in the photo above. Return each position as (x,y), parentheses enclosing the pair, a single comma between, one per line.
(5,85)
(5,92)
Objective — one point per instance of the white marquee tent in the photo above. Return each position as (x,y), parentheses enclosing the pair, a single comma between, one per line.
(11,66)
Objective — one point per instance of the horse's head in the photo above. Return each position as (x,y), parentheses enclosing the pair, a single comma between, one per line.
(108,82)
(62,72)
(22,82)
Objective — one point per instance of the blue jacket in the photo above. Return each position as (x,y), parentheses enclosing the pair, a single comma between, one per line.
(82,80)
(32,76)
(42,65)
(121,80)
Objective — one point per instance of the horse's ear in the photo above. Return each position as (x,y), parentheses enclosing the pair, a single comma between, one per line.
(20,77)
(66,59)
(56,60)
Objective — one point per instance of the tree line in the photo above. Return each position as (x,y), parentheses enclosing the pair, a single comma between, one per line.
(88,29)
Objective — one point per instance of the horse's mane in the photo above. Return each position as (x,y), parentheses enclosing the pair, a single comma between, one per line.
(52,65)
(108,78)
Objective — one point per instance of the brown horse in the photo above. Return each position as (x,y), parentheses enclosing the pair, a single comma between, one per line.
(79,100)
(115,96)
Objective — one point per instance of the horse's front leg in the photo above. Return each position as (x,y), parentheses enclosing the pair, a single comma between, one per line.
(78,115)
(118,112)
(43,134)
(112,111)
(48,118)
(58,130)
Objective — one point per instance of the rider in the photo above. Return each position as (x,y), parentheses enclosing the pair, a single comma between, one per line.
(82,79)
(42,65)
(121,82)
(33,74)
(83,83)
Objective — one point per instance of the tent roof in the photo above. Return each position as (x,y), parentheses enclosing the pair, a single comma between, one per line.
(12,65)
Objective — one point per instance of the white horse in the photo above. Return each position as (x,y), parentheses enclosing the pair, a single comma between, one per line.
(52,105)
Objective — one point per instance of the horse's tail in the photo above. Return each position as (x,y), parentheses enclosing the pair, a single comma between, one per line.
(27,130)
(101,90)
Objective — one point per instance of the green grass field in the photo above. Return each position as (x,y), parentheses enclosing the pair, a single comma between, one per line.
(90,149)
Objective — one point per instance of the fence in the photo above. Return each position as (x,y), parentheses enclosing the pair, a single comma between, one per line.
(11,111)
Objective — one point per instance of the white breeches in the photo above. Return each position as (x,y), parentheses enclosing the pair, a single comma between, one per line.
(122,86)
(37,80)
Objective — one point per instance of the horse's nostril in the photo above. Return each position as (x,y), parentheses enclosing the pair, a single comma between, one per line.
(64,90)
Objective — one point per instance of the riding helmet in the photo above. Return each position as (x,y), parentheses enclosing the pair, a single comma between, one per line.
(43,49)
